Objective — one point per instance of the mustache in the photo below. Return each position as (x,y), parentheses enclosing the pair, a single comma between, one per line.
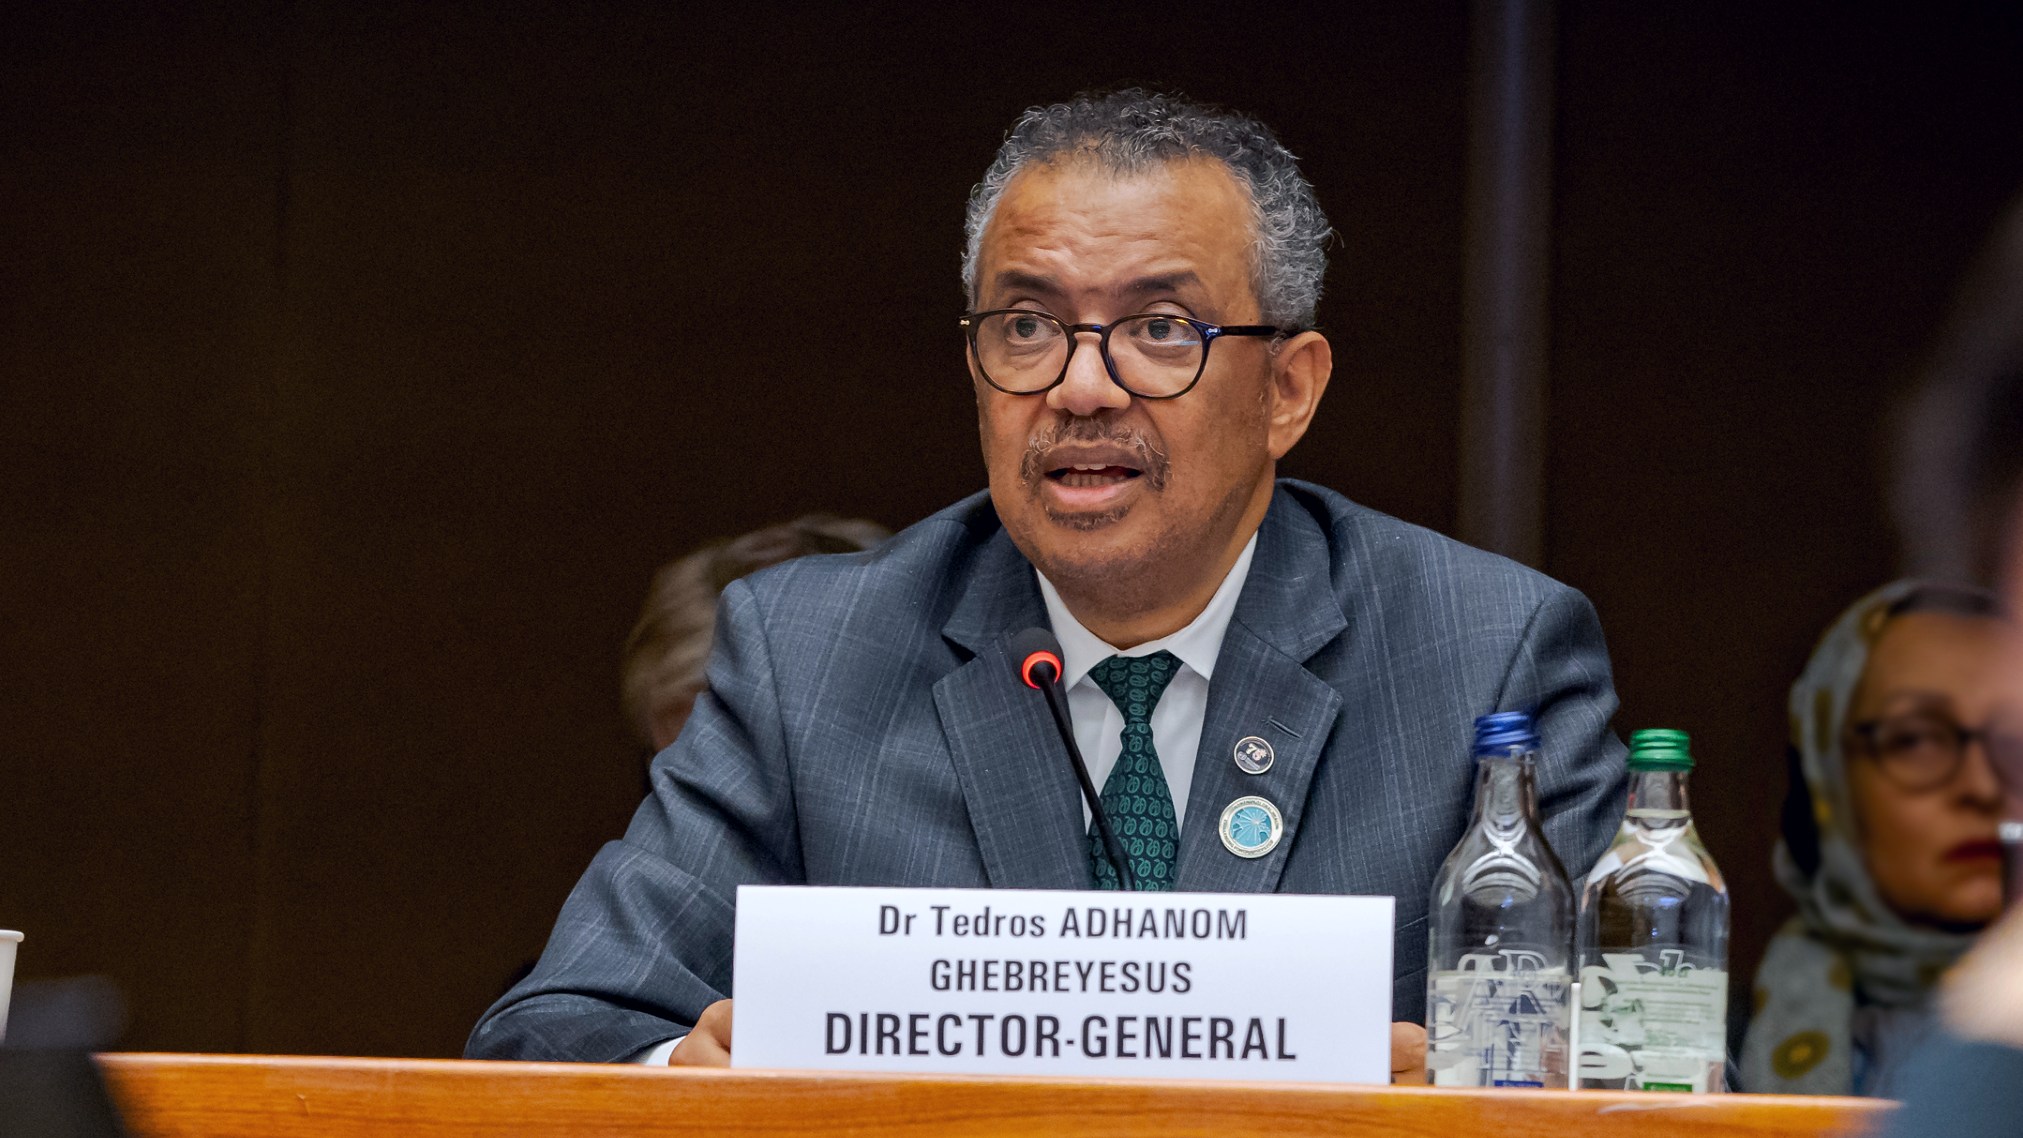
(1151,461)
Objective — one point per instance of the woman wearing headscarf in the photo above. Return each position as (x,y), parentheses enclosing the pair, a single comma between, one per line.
(1890,838)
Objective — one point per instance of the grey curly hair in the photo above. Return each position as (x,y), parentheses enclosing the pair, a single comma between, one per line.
(1131,130)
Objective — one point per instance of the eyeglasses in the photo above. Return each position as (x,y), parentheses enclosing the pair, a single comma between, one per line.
(1924,752)
(1153,355)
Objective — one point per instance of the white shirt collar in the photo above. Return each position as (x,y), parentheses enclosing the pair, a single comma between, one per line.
(1196,646)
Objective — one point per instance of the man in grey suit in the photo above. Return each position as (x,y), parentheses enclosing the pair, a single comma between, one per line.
(1143,274)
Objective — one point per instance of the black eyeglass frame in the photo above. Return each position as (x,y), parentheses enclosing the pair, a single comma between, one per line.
(1209,334)
(1962,737)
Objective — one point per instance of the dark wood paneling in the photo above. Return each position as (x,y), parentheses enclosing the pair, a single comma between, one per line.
(137,162)
(1761,217)
(360,361)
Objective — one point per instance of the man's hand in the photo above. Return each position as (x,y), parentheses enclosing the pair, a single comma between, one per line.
(709,1045)
(1408,1053)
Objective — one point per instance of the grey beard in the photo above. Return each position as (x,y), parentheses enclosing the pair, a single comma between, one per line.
(1086,522)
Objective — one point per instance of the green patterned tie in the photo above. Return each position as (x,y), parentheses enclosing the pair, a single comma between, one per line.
(1135,797)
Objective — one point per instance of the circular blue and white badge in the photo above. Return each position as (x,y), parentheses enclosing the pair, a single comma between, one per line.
(1251,827)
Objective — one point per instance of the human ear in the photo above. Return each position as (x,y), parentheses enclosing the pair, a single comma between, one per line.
(1300,368)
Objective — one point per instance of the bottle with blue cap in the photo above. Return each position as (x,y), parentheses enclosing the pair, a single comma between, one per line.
(1654,940)
(1499,976)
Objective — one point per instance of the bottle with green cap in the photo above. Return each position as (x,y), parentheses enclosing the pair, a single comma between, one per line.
(1653,940)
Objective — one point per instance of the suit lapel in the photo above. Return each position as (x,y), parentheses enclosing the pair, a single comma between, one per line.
(1023,801)
(1286,613)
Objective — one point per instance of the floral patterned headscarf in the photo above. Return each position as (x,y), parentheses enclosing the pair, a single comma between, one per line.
(1846,945)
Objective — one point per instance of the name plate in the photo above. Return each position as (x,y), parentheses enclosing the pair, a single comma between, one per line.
(1013,981)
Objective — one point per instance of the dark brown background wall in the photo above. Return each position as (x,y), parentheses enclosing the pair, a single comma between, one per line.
(358,362)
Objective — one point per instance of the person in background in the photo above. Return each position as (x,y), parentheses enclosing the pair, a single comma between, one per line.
(660,674)
(1890,844)
(1960,493)
(662,670)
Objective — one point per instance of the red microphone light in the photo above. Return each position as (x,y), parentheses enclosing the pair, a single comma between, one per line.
(1034,659)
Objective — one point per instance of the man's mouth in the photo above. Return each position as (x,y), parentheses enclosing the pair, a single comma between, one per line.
(1086,478)
(1086,486)
(1090,476)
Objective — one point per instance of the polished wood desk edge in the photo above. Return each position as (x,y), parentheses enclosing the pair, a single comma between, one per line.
(125,1066)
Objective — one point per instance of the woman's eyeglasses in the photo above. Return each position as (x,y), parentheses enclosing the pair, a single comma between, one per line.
(1923,752)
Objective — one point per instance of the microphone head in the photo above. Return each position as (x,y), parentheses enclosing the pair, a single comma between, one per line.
(1038,656)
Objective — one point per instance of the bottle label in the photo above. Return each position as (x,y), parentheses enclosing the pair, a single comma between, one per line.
(1499,1020)
(1653,1022)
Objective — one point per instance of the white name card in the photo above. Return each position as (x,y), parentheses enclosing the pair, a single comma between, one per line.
(1003,981)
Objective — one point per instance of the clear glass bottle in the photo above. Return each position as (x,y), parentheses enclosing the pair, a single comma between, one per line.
(1654,940)
(1499,976)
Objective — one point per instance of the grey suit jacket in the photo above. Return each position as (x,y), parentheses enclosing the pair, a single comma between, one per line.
(865,726)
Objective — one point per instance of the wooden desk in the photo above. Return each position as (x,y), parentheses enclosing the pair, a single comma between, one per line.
(227,1096)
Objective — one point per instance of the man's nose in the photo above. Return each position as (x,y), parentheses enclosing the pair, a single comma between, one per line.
(1088,388)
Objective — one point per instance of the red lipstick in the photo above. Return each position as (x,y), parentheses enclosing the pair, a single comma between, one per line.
(1986,849)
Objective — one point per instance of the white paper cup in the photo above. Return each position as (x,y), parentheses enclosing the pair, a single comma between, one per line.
(7,942)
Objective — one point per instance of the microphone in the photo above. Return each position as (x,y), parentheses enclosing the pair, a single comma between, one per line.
(1038,656)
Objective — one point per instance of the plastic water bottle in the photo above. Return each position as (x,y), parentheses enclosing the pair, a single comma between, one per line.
(1654,940)
(1499,981)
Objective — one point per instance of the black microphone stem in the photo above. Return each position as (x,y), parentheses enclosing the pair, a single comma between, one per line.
(1112,848)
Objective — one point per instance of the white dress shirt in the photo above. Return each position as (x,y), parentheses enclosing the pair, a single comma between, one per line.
(1099,726)
(1176,718)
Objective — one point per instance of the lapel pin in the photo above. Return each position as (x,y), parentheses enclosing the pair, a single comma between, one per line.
(1251,827)
(1253,755)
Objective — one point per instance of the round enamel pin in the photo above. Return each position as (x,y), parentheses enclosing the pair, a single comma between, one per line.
(1251,827)
(1253,755)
